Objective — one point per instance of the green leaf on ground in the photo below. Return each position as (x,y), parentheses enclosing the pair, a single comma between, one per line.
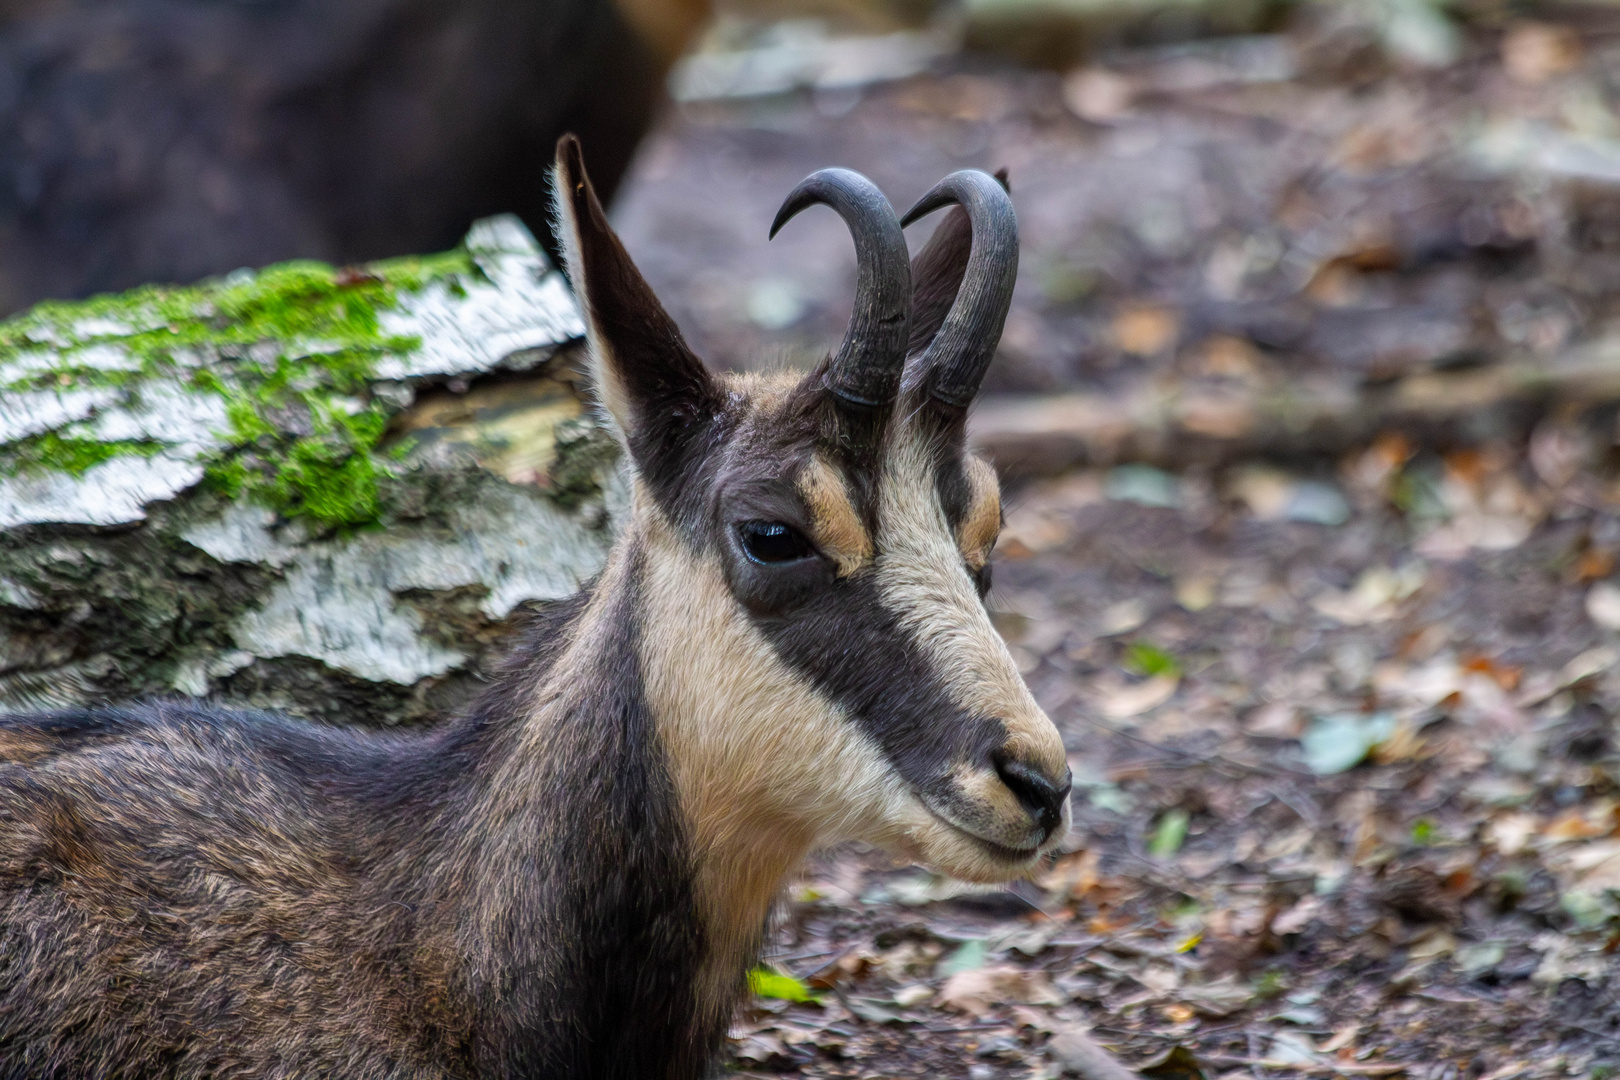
(1145,658)
(772,984)
(1169,835)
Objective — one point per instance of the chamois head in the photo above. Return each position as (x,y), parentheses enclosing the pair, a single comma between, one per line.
(814,551)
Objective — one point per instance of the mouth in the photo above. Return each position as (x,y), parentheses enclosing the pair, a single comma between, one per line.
(999,851)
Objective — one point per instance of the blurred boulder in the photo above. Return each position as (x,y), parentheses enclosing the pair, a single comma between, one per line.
(1058,33)
(167,140)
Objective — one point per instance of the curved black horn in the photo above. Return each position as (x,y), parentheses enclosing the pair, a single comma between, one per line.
(955,361)
(866,369)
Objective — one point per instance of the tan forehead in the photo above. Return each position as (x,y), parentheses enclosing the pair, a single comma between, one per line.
(839,531)
(764,390)
(837,528)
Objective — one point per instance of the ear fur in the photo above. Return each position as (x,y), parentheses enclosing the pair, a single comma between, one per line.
(649,382)
(936,274)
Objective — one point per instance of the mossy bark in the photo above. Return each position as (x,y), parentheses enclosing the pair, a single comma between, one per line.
(327,491)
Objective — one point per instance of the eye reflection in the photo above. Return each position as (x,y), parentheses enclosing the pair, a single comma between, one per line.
(771,542)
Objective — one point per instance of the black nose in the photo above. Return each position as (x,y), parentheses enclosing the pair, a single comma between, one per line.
(1040,794)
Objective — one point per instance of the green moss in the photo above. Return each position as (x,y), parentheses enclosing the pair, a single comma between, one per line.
(55,452)
(332,477)
(291,350)
(327,483)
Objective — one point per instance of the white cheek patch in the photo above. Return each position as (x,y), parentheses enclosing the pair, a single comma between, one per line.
(752,741)
(920,573)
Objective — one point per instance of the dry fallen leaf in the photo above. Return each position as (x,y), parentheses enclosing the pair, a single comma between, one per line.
(1275,720)
(1401,744)
(1579,823)
(1298,917)
(1593,565)
(1511,833)
(1078,1054)
(1587,664)
(1146,330)
(1263,489)
(759,1048)
(1222,997)
(1025,1017)
(1435,943)
(1599,867)
(1225,356)
(1072,876)
(1097,95)
(1121,702)
(915,994)
(1603,605)
(1533,52)
(1122,618)
(1196,591)
(980,990)
(1374,596)
(1220,414)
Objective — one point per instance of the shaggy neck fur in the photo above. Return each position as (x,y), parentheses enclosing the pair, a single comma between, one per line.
(620,847)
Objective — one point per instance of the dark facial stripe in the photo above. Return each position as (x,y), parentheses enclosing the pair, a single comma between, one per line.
(847,644)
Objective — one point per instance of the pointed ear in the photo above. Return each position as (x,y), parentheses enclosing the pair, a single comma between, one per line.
(936,274)
(655,389)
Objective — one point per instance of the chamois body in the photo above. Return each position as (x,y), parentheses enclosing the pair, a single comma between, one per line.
(787,648)
(188,891)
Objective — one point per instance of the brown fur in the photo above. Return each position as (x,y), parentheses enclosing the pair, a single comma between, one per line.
(982,524)
(835,524)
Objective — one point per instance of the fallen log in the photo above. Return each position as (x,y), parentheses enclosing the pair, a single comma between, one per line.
(328,491)
(1176,425)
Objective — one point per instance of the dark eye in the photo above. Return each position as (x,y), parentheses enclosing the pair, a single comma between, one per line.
(981,580)
(773,542)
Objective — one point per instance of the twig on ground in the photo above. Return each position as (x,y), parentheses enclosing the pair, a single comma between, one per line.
(1346,1068)
(1079,1055)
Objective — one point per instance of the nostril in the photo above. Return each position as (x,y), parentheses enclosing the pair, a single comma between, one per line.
(1037,792)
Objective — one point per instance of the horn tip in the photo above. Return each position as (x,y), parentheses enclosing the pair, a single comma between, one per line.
(804,194)
(939,195)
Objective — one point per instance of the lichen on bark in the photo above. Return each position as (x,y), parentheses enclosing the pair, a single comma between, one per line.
(326,490)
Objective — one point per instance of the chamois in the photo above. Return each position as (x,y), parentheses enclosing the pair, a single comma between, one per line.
(787,648)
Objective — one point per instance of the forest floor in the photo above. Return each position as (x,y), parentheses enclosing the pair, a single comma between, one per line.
(1340,706)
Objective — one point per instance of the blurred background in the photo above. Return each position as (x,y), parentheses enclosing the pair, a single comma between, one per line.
(1306,407)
